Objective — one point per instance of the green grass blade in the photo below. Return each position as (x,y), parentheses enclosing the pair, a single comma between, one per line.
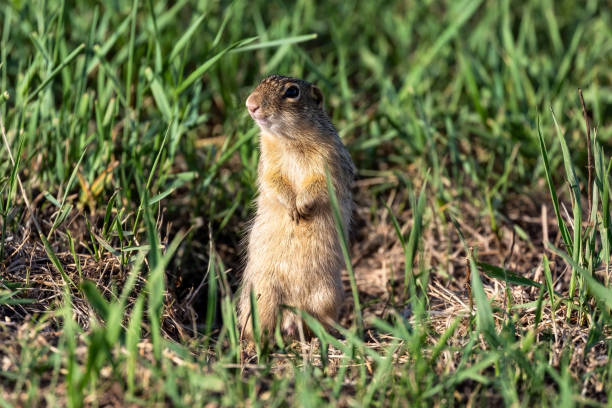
(599,291)
(185,38)
(159,95)
(211,308)
(506,275)
(145,192)
(256,327)
(414,238)
(484,313)
(468,8)
(55,72)
(56,262)
(95,298)
(68,187)
(198,72)
(342,238)
(553,192)
(276,43)
(549,282)
(576,206)
(132,339)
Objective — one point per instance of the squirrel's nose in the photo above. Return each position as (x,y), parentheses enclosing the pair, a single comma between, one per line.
(251,105)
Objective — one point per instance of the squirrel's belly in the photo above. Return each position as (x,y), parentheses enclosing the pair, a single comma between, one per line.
(282,246)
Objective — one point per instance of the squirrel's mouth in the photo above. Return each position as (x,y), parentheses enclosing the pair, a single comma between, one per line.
(261,120)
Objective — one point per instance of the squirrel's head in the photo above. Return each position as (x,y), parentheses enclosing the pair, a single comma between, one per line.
(286,106)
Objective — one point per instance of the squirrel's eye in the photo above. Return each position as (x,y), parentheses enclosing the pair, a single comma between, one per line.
(292,92)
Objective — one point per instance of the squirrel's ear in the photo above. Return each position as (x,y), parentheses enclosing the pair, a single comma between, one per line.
(317,95)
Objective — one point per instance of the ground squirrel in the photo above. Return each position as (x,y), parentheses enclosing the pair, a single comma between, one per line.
(294,256)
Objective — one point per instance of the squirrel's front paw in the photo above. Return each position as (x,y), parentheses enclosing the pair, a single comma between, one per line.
(294,215)
(304,206)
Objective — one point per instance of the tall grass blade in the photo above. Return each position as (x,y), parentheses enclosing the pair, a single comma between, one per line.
(342,238)
(96,300)
(255,326)
(576,206)
(553,192)
(414,238)
(56,262)
(68,187)
(468,8)
(131,340)
(159,95)
(506,275)
(185,38)
(55,72)
(276,43)
(198,72)
(599,291)
(484,313)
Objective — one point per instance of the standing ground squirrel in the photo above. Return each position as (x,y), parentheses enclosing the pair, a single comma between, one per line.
(294,256)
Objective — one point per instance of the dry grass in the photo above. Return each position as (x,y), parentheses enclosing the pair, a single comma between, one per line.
(378,260)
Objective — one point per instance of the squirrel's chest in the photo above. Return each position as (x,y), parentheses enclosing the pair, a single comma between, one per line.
(295,165)
(295,169)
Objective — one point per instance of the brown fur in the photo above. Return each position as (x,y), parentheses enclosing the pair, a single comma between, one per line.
(294,256)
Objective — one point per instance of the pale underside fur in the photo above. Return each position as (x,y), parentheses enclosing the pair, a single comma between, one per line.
(289,263)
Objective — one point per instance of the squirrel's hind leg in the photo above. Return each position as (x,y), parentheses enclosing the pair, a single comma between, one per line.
(267,301)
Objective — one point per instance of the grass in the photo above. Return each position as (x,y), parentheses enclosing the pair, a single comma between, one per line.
(479,261)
